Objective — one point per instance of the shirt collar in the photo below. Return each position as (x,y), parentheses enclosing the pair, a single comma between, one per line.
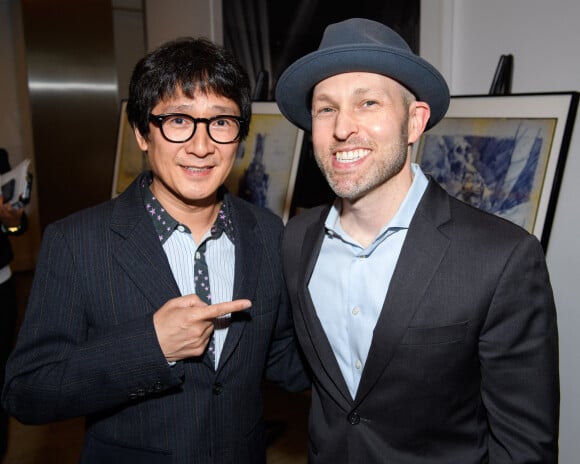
(165,225)
(401,219)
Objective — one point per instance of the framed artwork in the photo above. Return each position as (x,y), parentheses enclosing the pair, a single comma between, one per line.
(264,171)
(130,161)
(503,154)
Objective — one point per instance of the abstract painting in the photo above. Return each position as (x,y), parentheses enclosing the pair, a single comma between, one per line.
(503,154)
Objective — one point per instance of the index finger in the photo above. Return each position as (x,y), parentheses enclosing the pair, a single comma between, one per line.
(220,309)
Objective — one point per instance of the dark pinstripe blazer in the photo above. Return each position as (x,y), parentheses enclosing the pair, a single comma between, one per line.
(463,364)
(88,347)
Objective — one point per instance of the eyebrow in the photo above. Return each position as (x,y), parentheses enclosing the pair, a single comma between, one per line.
(363,90)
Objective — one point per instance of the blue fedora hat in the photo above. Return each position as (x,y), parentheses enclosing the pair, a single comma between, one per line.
(361,45)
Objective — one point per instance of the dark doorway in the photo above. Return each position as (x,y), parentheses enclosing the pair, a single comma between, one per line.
(268,35)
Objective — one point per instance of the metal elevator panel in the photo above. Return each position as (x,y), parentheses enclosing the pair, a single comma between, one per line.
(74,107)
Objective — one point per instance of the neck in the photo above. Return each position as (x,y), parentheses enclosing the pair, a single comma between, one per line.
(199,219)
(197,215)
(363,218)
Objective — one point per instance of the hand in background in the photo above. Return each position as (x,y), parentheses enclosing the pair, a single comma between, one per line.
(10,217)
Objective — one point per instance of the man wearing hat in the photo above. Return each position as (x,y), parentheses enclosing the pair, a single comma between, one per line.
(429,325)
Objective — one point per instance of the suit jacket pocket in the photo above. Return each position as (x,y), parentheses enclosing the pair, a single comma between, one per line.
(97,451)
(435,335)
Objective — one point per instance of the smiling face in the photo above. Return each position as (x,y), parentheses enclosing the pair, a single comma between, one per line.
(362,126)
(188,174)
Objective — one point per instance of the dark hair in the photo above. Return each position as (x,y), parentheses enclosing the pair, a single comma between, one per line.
(187,64)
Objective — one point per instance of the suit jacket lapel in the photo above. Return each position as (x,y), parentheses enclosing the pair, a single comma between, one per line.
(420,257)
(314,235)
(247,272)
(138,250)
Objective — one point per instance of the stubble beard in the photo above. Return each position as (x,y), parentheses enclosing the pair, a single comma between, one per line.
(389,162)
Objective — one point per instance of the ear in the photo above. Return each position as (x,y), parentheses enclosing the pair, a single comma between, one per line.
(419,113)
(141,141)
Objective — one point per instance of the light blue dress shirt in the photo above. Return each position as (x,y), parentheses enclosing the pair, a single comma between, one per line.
(180,249)
(349,283)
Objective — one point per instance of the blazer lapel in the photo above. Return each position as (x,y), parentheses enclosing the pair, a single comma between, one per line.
(138,250)
(247,272)
(421,255)
(311,244)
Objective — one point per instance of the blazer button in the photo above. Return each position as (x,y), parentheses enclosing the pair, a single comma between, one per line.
(354,418)
(217,389)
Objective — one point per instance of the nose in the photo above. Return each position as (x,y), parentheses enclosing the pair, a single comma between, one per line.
(345,125)
(200,145)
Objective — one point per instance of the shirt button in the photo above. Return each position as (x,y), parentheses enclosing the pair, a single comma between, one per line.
(197,255)
(180,228)
(355,310)
(358,364)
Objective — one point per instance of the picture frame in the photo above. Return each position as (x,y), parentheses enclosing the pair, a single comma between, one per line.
(16,185)
(504,154)
(264,171)
(130,160)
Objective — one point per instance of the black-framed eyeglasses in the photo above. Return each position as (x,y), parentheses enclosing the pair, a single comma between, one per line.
(179,128)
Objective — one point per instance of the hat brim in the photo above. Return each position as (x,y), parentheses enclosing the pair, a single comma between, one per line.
(294,87)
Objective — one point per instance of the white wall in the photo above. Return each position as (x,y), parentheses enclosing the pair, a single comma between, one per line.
(129,31)
(170,19)
(464,40)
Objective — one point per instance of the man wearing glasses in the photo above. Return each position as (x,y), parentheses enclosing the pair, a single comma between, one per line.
(156,315)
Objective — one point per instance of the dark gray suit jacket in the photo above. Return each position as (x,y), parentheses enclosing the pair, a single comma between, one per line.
(463,364)
(88,347)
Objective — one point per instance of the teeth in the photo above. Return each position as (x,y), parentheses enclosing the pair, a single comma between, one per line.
(195,169)
(350,156)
